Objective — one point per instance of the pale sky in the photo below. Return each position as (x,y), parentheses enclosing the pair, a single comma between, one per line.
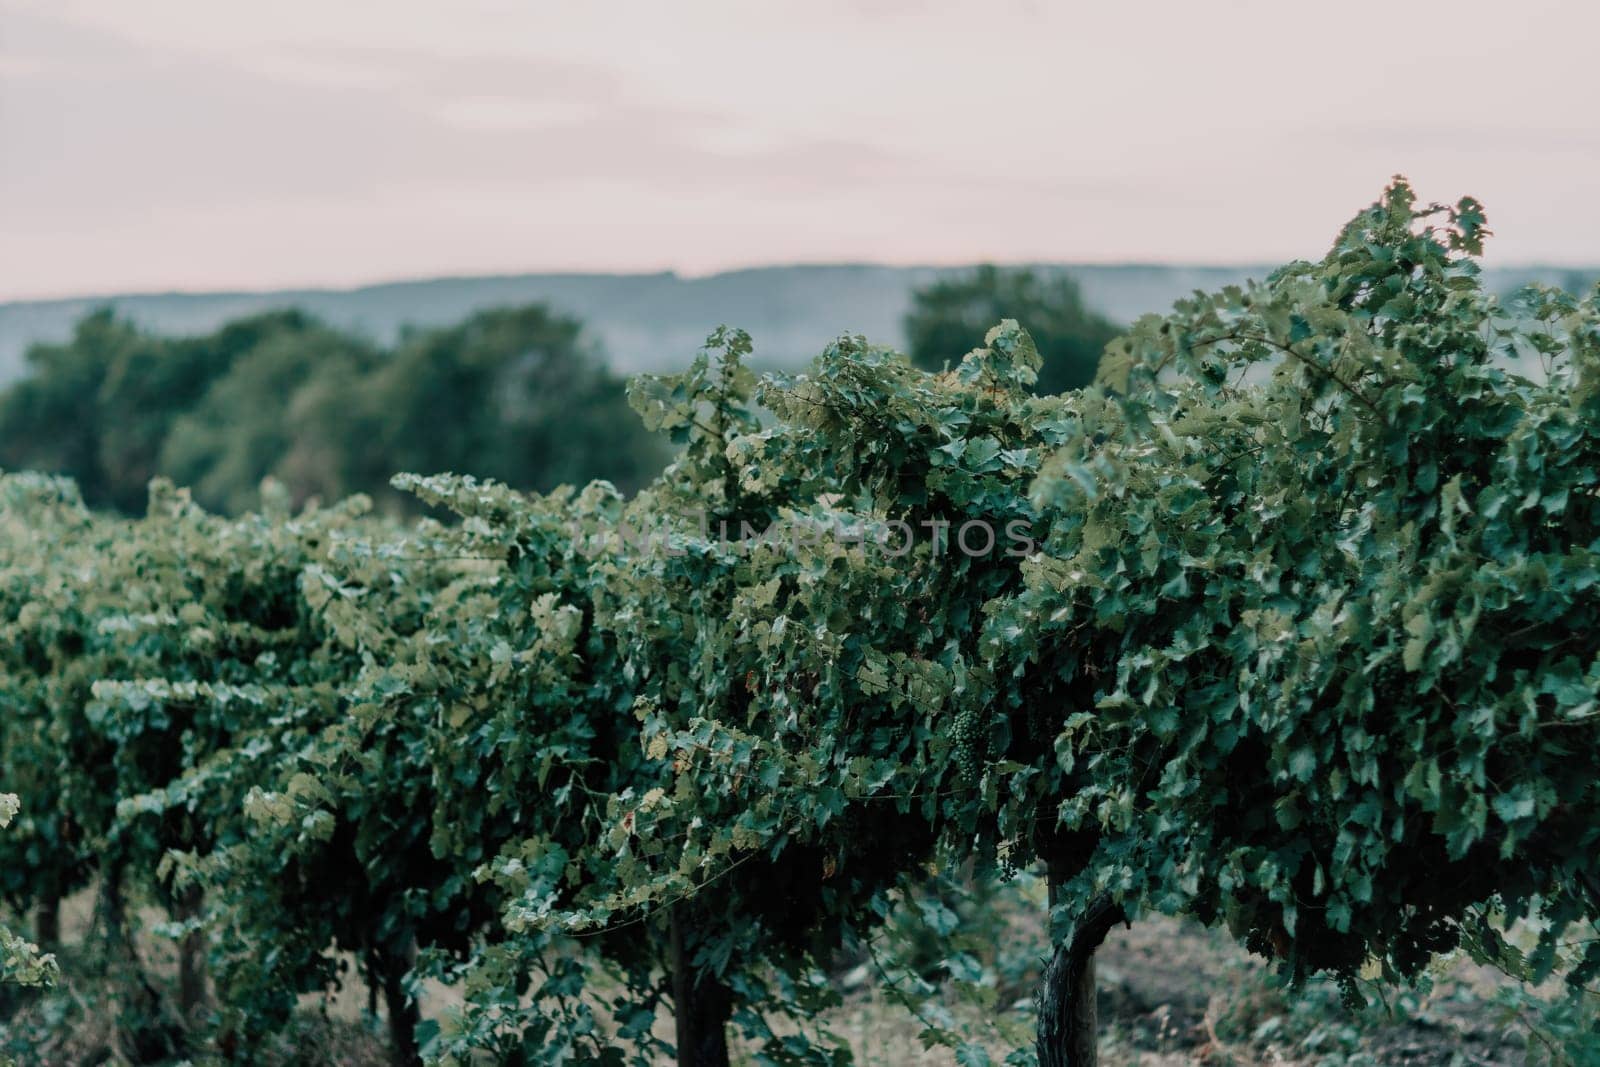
(208,144)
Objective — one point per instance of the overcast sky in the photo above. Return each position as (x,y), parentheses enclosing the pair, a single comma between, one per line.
(205,144)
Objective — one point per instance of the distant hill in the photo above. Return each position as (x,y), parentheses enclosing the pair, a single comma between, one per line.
(647,322)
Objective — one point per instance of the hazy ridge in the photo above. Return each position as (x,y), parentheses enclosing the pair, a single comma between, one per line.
(650,322)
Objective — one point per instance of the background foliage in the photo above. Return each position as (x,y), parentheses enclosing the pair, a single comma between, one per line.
(950,316)
(516,394)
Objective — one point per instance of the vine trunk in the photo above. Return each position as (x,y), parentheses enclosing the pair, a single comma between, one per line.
(1068,1020)
(701,1004)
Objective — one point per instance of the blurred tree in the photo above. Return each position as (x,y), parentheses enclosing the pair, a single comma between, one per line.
(251,420)
(99,407)
(1578,282)
(157,380)
(51,419)
(513,394)
(949,318)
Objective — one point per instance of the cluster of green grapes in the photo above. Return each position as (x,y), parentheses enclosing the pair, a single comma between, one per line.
(966,738)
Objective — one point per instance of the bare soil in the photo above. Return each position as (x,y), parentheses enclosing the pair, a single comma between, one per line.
(1171,994)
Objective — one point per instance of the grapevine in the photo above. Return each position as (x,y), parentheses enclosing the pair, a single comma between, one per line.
(1303,645)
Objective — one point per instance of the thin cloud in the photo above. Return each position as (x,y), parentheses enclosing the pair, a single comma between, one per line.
(188,144)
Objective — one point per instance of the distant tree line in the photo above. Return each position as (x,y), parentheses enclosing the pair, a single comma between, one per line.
(514,394)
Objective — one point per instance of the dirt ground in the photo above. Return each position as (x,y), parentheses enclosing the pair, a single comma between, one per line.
(1174,995)
(1171,994)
